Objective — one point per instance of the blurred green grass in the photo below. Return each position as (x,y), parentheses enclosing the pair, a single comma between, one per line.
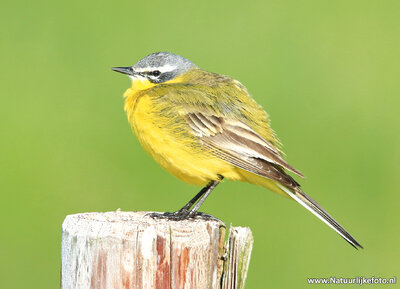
(327,72)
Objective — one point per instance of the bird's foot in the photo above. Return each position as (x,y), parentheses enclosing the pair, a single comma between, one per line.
(175,216)
(204,216)
(183,215)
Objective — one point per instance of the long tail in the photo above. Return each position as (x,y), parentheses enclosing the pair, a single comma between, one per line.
(311,205)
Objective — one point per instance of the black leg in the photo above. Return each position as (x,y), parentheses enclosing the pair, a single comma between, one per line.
(185,212)
(187,207)
(207,192)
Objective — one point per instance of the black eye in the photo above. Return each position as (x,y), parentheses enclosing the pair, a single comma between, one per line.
(156,73)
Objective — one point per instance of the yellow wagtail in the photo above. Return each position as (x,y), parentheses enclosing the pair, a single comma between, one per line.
(203,127)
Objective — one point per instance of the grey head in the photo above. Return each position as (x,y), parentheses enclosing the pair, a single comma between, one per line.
(158,67)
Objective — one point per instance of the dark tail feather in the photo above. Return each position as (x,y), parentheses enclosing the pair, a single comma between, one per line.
(311,205)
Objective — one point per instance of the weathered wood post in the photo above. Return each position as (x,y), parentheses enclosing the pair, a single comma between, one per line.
(127,250)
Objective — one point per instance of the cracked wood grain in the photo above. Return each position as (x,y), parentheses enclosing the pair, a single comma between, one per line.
(130,250)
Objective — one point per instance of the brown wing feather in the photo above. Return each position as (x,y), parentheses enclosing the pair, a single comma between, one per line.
(238,144)
(241,146)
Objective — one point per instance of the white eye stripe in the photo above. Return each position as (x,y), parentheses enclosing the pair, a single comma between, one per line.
(162,69)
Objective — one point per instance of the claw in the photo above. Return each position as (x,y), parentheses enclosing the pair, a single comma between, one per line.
(182,215)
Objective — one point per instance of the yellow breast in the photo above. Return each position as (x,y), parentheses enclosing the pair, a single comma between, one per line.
(169,149)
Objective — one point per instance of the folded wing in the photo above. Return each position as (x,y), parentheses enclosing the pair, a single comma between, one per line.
(238,144)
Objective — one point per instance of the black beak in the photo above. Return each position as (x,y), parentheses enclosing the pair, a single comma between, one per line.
(124,70)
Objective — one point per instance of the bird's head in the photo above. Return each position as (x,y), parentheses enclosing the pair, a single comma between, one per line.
(156,68)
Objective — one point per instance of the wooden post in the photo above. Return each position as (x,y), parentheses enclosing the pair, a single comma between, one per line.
(130,250)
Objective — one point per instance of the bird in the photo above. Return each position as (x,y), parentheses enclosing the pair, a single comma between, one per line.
(204,127)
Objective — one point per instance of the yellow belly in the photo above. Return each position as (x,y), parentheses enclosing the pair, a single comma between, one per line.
(175,154)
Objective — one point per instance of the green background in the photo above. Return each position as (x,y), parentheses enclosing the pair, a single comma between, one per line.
(326,71)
